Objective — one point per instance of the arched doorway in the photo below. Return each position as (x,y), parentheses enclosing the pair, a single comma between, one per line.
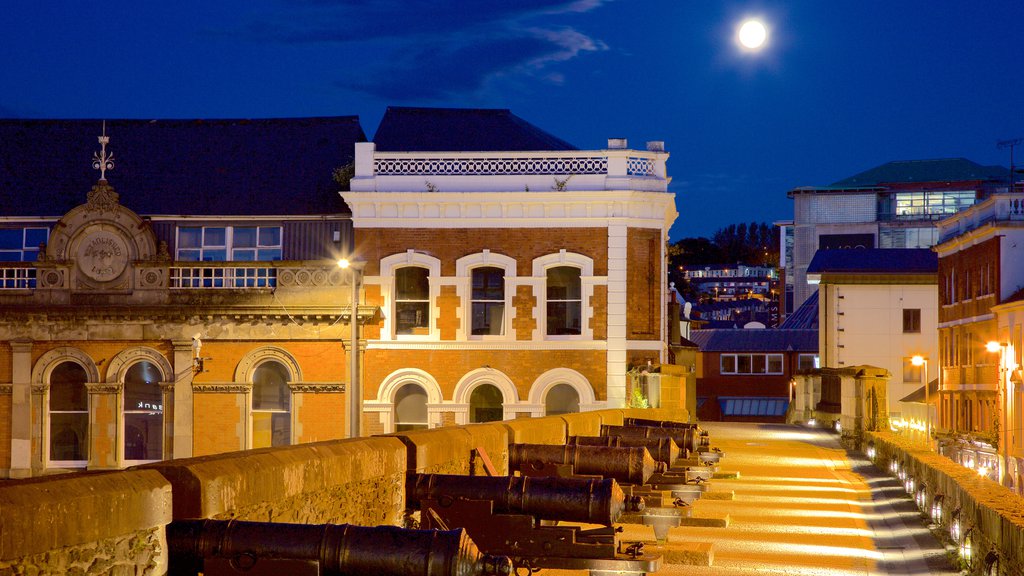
(485,404)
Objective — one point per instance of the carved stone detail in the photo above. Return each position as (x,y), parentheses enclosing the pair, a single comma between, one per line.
(104,387)
(316,387)
(222,388)
(102,198)
(6,389)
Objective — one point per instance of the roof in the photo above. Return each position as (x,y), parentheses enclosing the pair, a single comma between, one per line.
(875,261)
(806,316)
(279,166)
(460,130)
(917,396)
(755,340)
(753,405)
(913,171)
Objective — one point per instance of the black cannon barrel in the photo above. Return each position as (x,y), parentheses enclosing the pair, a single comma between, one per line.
(591,500)
(627,465)
(703,438)
(687,438)
(340,549)
(661,449)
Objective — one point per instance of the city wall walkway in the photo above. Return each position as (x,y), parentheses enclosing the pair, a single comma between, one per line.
(803,505)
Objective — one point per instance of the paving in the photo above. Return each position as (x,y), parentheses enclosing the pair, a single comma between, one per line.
(802,505)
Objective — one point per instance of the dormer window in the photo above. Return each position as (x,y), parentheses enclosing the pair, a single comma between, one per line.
(229,243)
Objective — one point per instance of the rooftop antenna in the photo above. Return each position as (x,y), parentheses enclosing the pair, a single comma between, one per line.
(1010,144)
(103,161)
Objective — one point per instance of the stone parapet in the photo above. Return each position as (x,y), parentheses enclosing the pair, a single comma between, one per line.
(85,523)
(359,481)
(449,450)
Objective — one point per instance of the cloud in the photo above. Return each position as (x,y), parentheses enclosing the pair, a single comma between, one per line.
(436,48)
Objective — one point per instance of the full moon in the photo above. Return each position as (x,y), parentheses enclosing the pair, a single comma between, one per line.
(752,34)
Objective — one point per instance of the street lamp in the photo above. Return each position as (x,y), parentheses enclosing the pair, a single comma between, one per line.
(355,391)
(1006,364)
(922,361)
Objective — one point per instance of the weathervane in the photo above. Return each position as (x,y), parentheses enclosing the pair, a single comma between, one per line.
(101,160)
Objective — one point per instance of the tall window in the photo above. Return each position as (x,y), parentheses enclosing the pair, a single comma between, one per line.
(410,408)
(21,244)
(911,320)
(911,373)
(412,300)
(485,404)
(271,406)
(488,301)
(561,399)
(564,301)
(69,415)
(224,243)
(143,413)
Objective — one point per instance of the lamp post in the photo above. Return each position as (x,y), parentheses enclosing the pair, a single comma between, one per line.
(1006,364)
(355,390)
(919,361)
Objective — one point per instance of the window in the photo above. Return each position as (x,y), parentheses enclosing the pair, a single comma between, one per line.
(69,416)
(229,243)
(807,362)
(412,300)
(911,373)
(488,301)
(485,404)
(911,320)
(751,364)
(271,406)
(143,413)
(561,399)
(21,244)
(564,301)
(411,408)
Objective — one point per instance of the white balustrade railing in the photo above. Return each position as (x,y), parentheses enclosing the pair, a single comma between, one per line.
(224,277)
(21,278)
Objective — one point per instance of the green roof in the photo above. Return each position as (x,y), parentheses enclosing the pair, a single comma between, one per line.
(912,171)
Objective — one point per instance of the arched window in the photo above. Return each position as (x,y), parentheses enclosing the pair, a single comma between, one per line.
(143,413)
(412,300)
(69,416)
(410,408)
(271,406)
(488,301)
(485,404)
(561,399)
(564,301)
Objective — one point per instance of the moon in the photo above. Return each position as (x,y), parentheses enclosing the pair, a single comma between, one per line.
(752,34)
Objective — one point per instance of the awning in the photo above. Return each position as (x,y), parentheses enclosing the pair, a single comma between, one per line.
(753,405)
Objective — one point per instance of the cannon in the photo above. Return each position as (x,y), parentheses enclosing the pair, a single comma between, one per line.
(661,449)
(703,438)
(511,516)
(230,547)
(627,465)
(589,500)
(687,438)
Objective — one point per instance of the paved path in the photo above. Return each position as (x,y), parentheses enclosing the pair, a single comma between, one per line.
(803,506)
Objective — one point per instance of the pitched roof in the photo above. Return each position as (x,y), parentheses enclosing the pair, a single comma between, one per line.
(938,170)
(756,340)
(875,261)
(806,316)
(280,166)
(460,130)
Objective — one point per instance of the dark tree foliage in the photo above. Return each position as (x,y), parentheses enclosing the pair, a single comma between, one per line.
(755,244)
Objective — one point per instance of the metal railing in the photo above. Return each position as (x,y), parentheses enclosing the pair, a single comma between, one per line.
(224,277)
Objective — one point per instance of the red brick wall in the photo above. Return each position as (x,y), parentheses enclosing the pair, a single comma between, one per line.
(5,430)
(969,265)
(599,321)
(448,321)
(643,284)
(102,425)
(524,323)
(322,417)
(217,419)
(711,383)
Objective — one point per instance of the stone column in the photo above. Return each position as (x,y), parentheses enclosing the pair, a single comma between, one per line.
(40,448)
(104,425)
(167,398)
(617,314)
(182,406)
(21,410)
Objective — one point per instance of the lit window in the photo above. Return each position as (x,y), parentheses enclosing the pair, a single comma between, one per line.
(229,243)
(69,416)
(143,413)
(911,373)
(412,300)
(564,301)
(271,406)
(488,301)
(21,244)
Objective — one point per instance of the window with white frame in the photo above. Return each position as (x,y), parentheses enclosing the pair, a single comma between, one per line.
(564,301)
(143,413)
(751,364)
(229,243)
(488,301)
(271,406)
(412,301)
(807,362)
(21,244)
(69,416)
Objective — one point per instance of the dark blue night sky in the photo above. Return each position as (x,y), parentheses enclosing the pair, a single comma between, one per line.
(841,87)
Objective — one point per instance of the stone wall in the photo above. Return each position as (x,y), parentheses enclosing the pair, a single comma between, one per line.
(993,514)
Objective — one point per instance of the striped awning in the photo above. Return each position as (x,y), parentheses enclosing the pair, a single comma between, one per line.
(753,405)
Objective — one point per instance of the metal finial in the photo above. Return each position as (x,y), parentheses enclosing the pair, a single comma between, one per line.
(101,160)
